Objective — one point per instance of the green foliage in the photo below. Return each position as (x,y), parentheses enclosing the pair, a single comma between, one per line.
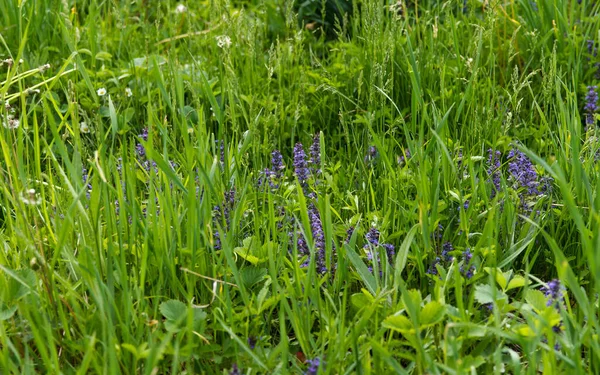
(143,228)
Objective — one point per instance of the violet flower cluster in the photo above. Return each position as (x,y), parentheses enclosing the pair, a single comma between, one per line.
(318,235)
(553,291)
(274,175)
(591,105)
(313,366)
(372,249)
(222,214)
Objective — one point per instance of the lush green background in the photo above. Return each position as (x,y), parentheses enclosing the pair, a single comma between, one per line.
(170,283)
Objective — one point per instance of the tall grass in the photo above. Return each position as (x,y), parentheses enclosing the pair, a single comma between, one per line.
(140,232)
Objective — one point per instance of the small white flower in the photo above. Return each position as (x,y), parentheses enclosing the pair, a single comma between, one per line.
(20,61)
(223,41)
(30,197)
(83,127)
(180,8)
(101,91)
(10,122)
(128,92)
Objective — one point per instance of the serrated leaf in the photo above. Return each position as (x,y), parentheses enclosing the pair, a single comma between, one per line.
(516,282)
(173,310)
(399,323)
(432,313)
(485,294)
(536,299)
(252,275)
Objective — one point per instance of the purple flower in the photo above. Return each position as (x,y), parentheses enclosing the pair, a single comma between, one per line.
(372,237)
(371,156)
(349,233)
(313,366)
(86,182)
(390,250)
(591,105)
(447,248)
(523,172)
(315,154)
(140,150)
(300,165)
(494,170)
(252,342)
(277,163)
(319,237)
(467,269)
(553,291)
(433,269)
(235,370)
(404,157)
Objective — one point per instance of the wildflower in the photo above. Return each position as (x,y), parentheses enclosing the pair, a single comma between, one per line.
(404,157)
(315,154)
(349,233)
(128,92)
(223,41)
(316,228)
(372,155)
(523,172)
(390,251)
(300,165)
(447,248)
(591,105)
(180,9)
(252,342)
(553,291)
(433,269)
(83,127)
(86,181)
(11,122)
(494,171)
(30,197)
(467,256)
(372,237)
(101,91)
(139,148)
(235,370)
(277,163)
(592,50)
(313,366)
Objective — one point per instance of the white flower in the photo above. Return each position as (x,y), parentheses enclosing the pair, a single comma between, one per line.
(83,127)
(128,92)
(101,91)
(223,41)
(30,197)
(10,122)
(180,8)
(20,61)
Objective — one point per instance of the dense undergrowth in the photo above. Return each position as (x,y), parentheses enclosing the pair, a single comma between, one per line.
(311,187)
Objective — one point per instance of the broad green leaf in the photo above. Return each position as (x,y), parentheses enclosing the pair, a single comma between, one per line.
(7,313)
(536,299)
(173,310)
(432,313)
(486,294)
(399,323)
(516,282)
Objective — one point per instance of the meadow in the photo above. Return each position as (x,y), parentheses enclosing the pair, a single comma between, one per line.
(299,187)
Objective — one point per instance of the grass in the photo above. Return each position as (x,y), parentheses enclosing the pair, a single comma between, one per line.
(144,229)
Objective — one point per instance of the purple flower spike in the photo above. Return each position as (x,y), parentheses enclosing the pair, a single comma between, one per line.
(591,105)
(315,154)
(553,291)
(300,165)
(313,366)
